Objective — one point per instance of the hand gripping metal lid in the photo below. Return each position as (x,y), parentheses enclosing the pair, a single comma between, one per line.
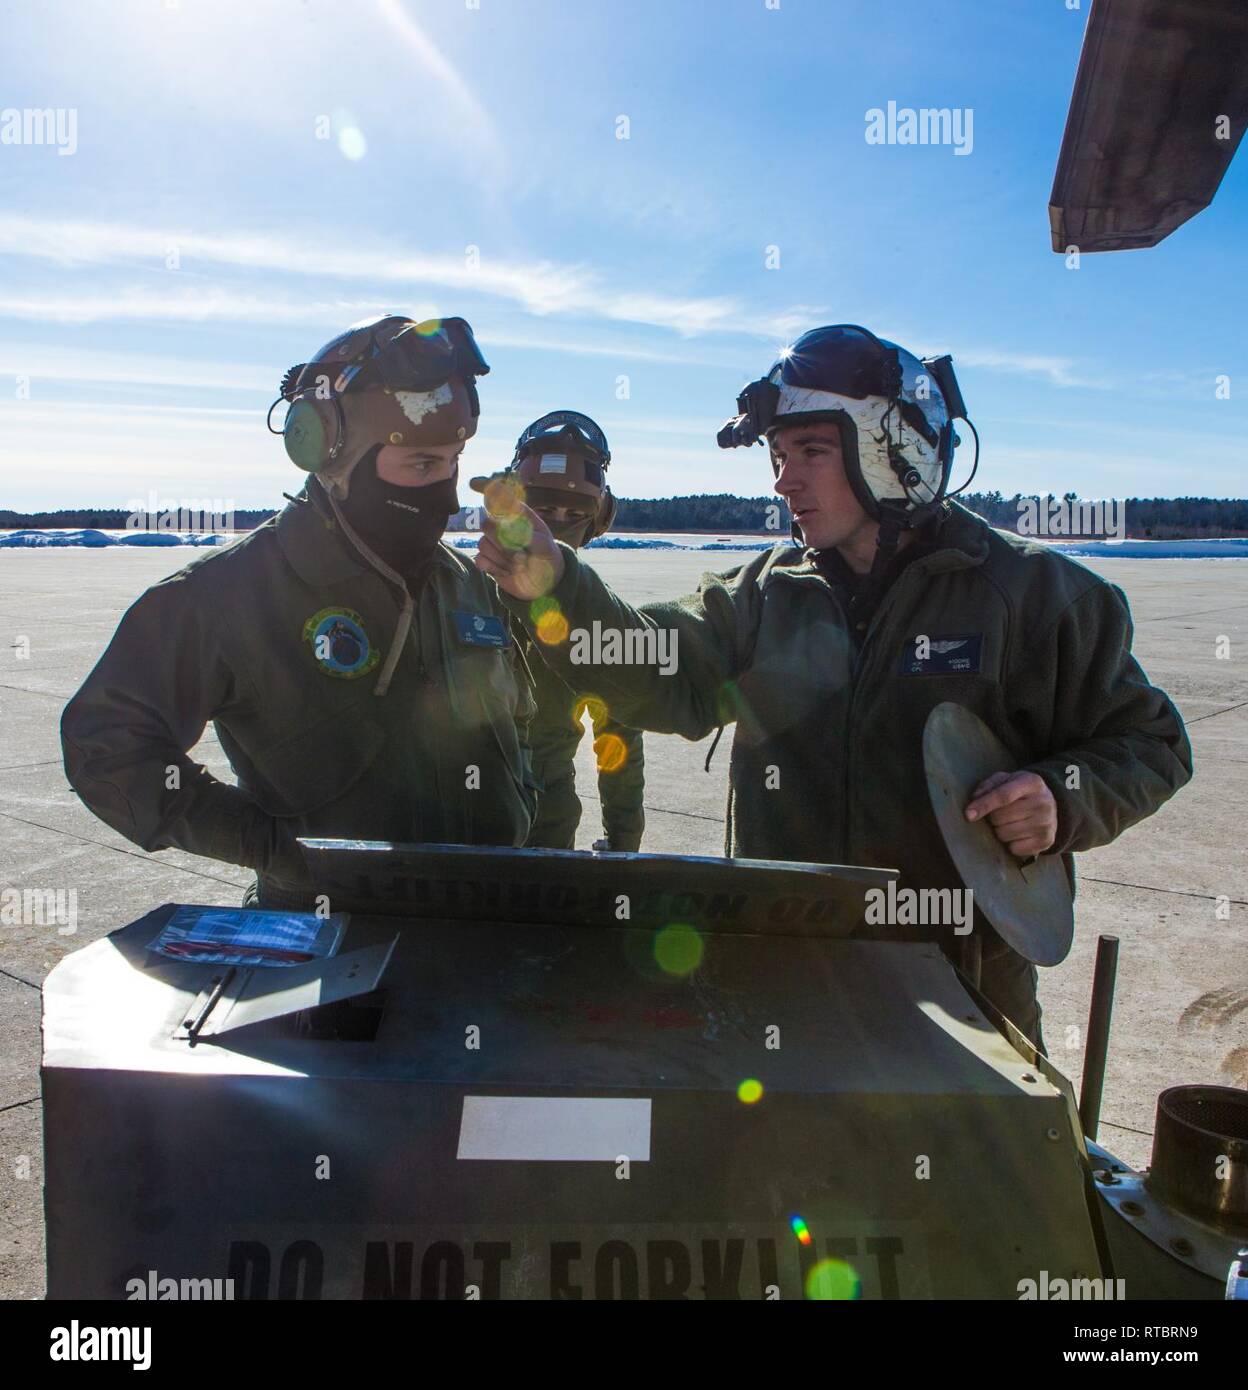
(1028,903)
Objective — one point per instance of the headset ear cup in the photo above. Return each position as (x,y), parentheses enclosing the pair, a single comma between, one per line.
(309,434)
(605,517)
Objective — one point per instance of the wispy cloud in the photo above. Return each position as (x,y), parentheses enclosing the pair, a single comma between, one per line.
(68,417)
(41,362)
(1057,371)
(192,304)
(114,367)
(578,347)
(540,288)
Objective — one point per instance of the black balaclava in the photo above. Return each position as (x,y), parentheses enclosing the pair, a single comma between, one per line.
(402,525)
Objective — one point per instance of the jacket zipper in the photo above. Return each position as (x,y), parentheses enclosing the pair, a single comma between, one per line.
(842,848)
(859,662)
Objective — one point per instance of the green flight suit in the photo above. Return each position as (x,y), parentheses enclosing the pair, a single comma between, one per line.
(827,762)
(280,640)
(554,736)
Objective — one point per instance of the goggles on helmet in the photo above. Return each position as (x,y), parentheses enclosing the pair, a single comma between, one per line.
(397,354)
(558,422)
(843,359)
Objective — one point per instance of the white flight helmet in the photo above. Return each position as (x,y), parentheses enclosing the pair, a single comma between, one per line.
(895,412)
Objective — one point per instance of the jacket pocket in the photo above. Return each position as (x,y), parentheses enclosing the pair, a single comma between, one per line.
(319,764)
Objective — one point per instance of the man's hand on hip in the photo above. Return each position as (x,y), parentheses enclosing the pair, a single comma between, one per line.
(1020,808)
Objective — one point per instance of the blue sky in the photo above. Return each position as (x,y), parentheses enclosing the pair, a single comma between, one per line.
(155,284)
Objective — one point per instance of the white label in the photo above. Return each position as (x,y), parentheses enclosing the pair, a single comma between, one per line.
(554,463)
(417,404)
(551,1128)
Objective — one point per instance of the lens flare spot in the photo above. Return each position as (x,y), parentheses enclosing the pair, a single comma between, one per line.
(504,496)
(515,531)
(551,628)
(833,1279)
(750,1091)
(611,752)
(729,702)
(800,1230)
(428,327)
(351,143)
(347,134)
(590,705)
(541,573)
(678,949)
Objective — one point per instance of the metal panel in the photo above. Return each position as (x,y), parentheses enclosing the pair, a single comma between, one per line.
(468,883)
(222,1177)
(1141,153)
(924,1154)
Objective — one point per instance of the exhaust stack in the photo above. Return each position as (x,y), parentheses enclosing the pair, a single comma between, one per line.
(1200,1154)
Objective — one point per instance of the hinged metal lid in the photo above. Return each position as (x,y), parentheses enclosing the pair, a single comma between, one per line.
(237,996)
(502,884)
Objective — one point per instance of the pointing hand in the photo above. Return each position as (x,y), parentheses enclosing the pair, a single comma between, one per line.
(516,547)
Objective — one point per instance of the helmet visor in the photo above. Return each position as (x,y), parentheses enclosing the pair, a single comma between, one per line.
(839,360)
(842,359)
(591,438)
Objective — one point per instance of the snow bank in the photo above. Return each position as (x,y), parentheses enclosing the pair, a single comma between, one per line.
(646,543)
(1233,548)
(1229,548)
(42,540)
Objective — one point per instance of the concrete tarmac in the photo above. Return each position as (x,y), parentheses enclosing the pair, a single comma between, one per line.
(1173,889)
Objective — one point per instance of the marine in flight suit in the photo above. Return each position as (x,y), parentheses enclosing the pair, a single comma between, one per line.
(829,656)
(361,676)
(561,461)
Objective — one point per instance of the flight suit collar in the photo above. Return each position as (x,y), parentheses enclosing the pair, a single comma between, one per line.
(318,552)
(960,542)
(313,544)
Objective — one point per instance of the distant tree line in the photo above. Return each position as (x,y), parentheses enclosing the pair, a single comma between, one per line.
(719,511)
(1159,518)
(1155,518)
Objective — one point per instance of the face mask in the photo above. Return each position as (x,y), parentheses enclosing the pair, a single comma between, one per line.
(402,525)
(574,532)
